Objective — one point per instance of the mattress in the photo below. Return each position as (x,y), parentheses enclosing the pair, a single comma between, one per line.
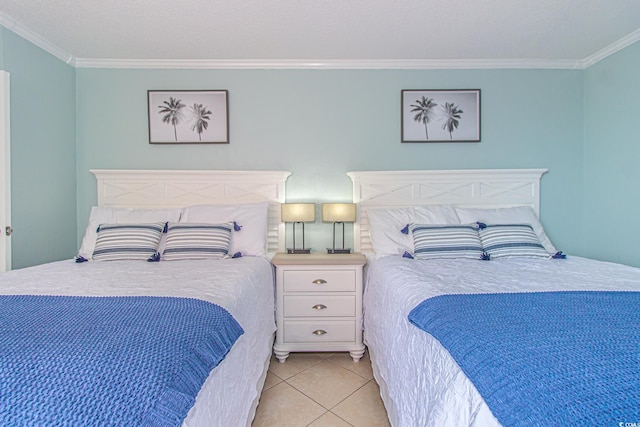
(243,286)
(420,382)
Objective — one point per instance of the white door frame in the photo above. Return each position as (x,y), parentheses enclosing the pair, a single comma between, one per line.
(5,173)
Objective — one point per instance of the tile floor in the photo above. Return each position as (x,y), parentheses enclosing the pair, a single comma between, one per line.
(320,390)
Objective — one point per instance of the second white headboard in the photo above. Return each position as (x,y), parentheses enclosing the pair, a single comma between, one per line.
(483,188)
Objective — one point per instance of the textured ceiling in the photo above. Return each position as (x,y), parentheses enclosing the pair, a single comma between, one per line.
(328,29)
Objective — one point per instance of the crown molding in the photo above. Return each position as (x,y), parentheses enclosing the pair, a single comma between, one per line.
(328,64)
(12,25)
(611,49)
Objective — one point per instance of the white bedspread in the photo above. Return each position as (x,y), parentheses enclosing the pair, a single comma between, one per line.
(420,382)
(244,286)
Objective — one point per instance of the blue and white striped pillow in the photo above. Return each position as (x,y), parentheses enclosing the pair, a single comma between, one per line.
(127,241)
(446,241)
(197,241)
(510,240)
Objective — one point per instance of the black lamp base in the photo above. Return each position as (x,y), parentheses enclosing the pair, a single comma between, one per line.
(338,251)
(298,251)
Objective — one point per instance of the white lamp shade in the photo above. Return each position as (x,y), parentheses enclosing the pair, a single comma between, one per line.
(338,212)
(298,212)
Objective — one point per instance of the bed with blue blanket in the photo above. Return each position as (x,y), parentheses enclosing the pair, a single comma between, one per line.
(473,317)
(164,317)
(135,343)
(520,341)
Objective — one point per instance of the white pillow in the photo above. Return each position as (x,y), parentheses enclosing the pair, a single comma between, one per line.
(251,240)
(385,225)
(101,215)
(514,215)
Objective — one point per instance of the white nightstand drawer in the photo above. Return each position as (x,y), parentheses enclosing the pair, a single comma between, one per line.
(319,280)
(319,305)
(319,331)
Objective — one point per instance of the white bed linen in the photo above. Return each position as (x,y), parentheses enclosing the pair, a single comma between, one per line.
(420,382)
(243,286)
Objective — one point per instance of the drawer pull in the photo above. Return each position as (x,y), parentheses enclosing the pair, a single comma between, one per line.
(319,307)
(319,332)
(319,282)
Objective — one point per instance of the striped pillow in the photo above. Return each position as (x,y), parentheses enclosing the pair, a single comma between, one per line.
(446,241)
(510,240)
(127,241)
(197,241)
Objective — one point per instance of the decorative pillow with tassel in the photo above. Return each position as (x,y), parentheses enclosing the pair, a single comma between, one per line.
(127,241)
(445,241)
(198,241)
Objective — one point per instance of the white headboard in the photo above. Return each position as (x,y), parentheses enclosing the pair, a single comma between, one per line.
(180,188)
(490,188)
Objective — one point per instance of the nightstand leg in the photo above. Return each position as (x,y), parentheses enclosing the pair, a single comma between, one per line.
(356,355)
(282,355)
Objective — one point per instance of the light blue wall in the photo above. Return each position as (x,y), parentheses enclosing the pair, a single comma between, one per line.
(2,30)
(319,124)
(612,158)
(43,162)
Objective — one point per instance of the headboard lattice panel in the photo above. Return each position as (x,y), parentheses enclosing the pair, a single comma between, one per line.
(491,188)
(180,188)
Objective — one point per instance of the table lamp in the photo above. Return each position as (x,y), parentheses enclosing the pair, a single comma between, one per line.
(338,213)
(298,213)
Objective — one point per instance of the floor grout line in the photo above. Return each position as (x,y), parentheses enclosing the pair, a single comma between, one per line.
(322,415)
(354,392)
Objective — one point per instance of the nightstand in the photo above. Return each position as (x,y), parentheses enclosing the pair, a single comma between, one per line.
(318,303)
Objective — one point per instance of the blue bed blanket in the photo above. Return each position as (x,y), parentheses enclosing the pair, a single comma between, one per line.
(107,361)
(547,358)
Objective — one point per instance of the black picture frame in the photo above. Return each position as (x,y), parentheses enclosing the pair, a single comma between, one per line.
(440,115)
(188,116)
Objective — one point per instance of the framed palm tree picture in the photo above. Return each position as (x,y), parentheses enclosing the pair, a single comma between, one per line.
(440,115)
(188,116)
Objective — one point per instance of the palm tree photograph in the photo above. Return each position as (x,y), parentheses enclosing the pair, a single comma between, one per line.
(450,118)
(188,116)
(440,115)
(200,117)
(424,110)
(171,112)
